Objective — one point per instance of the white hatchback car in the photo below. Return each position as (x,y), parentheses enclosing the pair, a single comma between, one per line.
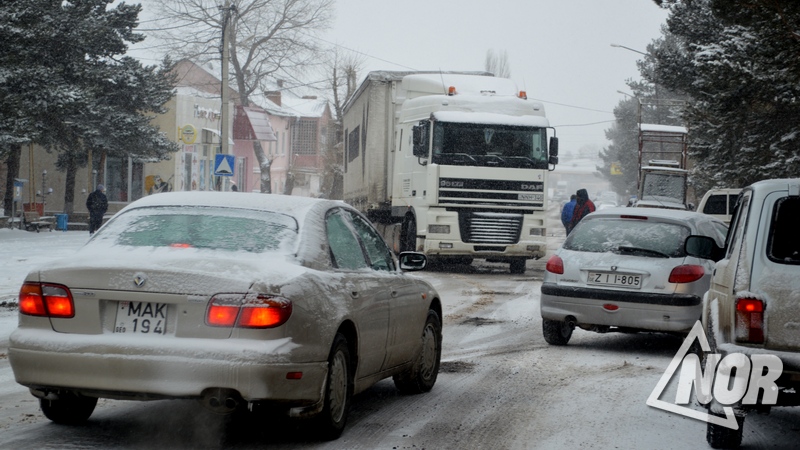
(624,269)
(236,299)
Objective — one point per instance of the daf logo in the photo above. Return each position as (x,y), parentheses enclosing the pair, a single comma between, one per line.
(455,184)
(139,279)
(528,187)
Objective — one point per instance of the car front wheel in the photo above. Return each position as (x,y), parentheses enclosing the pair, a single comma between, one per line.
(421,376)
(68,408)
(556,332)
(338,391)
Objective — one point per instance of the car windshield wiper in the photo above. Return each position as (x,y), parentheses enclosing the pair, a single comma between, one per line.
(641,251)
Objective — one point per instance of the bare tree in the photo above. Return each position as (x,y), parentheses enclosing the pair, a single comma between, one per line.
(342,79)
(497,63)
(267,38)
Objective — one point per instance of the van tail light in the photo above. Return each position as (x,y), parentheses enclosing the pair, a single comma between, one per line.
(555,265)
(686,273)
(248,311)
(749,320)
(46,300)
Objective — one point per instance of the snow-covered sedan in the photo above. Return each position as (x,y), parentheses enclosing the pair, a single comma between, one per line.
(234,299)
(624,269)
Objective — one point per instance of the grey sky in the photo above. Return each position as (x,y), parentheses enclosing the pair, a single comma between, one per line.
(559,51)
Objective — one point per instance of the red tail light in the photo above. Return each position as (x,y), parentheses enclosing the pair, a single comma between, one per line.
(46,300)
(248,311)
(555,265)
(749,320)
(686,273)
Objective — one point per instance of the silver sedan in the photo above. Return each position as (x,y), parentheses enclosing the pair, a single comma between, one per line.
(626,269)
(238,300)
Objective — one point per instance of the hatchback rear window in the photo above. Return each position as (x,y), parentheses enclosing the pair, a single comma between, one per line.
(227,229)
(784,237)
(631,236)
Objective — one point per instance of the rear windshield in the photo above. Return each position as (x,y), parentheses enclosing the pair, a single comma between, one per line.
(202,227)
(716,204)
(784,236)
(617,235)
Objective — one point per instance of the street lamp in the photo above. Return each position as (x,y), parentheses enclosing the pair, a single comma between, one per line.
(628,48)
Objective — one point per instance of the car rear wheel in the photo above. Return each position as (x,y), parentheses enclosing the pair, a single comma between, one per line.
(338,391)
(556,332)
(68,408)
(723,437)
(421,376)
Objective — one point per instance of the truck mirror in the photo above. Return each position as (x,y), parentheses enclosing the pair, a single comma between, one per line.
(420,141)
(554,148)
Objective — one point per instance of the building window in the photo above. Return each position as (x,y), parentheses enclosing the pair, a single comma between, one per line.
(305,137)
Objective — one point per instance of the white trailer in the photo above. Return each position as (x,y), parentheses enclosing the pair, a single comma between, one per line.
(454,165)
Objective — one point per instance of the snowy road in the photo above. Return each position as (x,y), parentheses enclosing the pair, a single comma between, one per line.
(501,386)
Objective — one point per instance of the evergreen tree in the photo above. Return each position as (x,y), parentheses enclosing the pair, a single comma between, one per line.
(67,87)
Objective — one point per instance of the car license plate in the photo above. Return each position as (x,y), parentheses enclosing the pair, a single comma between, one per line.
(141,318)
(615,279)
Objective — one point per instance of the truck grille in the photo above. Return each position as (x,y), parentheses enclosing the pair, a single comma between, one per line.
(489,228)
(461,192)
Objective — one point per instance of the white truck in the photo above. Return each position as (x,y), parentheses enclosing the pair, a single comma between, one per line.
(454,165)
(663,182)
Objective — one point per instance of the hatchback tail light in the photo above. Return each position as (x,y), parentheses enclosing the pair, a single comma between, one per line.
(248,311)
(686,273)
(46,300)
(749,320)
(555,265)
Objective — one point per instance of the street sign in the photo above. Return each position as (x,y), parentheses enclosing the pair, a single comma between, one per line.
(616,168)
(223,166)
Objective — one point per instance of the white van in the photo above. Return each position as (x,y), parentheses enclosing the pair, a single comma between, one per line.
(719,203)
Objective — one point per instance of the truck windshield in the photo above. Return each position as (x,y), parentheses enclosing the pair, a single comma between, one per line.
(664,187)
(467,144)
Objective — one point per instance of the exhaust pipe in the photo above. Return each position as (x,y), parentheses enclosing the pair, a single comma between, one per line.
(221,401)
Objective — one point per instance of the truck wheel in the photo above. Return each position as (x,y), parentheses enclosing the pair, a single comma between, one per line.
(68,408)
(409,243)
(422,374)
(723,437)
(517,266)
(556,332)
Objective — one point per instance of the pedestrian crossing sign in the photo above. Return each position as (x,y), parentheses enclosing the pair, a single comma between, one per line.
(223,166)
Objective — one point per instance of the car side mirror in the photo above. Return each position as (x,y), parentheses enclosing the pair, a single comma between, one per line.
(703,247)
(553,151)
(411,261)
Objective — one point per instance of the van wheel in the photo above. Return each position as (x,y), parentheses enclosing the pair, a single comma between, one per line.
(68,408)
(723,437)
(556,332)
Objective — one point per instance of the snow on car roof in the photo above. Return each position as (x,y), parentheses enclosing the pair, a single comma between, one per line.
(657,213)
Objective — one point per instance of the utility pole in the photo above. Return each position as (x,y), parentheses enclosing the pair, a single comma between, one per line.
(226,27)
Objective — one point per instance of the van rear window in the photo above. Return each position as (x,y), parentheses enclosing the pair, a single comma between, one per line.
(784,236)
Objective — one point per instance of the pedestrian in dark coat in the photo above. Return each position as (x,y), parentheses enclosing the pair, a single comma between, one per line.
(583,206)
(97,204)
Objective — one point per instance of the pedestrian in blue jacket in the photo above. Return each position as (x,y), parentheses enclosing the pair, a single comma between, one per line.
(566,212)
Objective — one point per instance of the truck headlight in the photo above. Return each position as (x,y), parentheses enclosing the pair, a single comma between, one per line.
(439,229)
